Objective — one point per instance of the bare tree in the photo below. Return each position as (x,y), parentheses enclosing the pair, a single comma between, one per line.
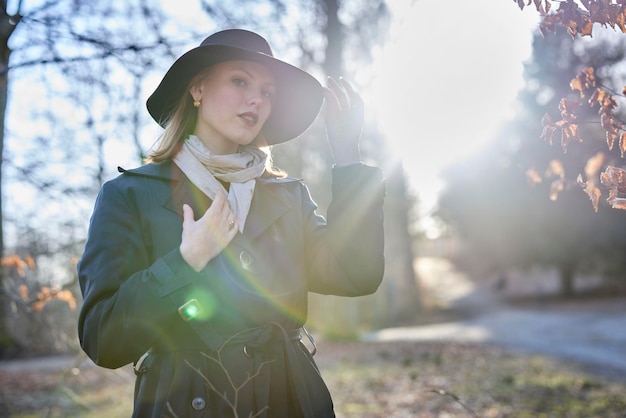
(64,102)
(351,29)
(8,23)
(74,83)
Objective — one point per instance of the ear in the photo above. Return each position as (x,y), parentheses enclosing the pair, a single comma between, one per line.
(196,91)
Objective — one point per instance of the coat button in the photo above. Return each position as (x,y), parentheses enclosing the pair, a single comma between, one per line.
(198,403)
(246,260)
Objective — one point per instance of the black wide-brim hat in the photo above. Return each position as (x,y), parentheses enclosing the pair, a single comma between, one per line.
(298,97)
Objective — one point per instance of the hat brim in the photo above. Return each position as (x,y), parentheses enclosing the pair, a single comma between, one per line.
(298,100)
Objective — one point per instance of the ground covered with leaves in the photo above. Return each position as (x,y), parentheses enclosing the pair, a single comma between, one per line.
(390,379)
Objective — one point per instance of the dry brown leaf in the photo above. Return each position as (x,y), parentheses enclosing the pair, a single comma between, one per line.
(614,179)
(611,137)
(593,166)
(569,132)
(549,129)
(590,77)
(598,97)
(548,24)
(555,169)
(587,28)
(622,143)
(577,85)
(593,192)
(46,294)
(556,187)
(15,262)
(541,8)
(606,120)
(30,262)
(533,177)
(618,203)
(568,109)
(23,292)
(620,20)
(67,297)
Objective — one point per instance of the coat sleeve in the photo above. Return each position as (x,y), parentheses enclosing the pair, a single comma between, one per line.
(128,300)
(345,253)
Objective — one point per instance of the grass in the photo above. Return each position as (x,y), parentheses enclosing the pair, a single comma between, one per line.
(367,380)
(432,380)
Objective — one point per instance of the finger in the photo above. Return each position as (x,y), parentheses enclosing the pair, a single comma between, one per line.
(220,198)
(339,92)
(346,85)
(332,84)
(331,100)
(218,204)
(224,209)
(355,98)
(187,214)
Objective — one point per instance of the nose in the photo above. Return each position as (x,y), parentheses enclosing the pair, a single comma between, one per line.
(256,98)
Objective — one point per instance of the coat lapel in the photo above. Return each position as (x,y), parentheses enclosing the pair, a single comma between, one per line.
(184,191)
(268,204)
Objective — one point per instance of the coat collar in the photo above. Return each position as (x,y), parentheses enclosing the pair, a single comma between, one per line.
(269,202)
(161,171)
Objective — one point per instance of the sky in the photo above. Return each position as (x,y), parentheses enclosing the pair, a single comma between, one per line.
(446,78)
(448,74)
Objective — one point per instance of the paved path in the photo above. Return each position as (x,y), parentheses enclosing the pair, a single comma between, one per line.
(48,363)
(591,333)
(593,337)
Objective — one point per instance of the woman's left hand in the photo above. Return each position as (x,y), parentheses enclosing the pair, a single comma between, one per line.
(344,120)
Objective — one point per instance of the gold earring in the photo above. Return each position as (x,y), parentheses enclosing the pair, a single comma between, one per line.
(196,103)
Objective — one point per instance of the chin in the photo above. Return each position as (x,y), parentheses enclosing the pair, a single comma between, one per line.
(260,141)
(248,141)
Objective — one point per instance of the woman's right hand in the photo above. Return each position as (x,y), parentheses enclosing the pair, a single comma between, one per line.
(208,236)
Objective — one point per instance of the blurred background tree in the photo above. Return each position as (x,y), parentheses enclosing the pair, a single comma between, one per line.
(584,19)
(517,204)
(72,77)
(75,78)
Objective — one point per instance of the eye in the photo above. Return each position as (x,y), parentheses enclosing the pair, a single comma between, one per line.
(269,94)
(240,82)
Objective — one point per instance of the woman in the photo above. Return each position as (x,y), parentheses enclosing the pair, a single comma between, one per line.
(198,264)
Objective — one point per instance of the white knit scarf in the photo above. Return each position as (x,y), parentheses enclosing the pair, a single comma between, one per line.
(204,169)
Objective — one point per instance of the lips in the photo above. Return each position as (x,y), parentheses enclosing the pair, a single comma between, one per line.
(249,118)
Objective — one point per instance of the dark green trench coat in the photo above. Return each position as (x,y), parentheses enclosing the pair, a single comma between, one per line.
(240,353)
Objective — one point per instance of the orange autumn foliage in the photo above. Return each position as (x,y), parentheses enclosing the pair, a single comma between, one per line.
(45,294)
(18,263)
(579,18)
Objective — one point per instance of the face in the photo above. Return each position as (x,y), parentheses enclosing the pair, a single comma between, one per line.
(235,101)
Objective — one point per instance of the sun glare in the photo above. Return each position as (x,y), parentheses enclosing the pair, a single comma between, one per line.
(445,79)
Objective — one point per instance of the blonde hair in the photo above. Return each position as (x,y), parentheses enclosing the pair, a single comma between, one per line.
(182,123)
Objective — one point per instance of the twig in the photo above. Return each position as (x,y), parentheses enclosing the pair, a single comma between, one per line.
(443,392)
(232,404)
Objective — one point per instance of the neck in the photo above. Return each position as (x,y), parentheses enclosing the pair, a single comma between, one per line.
(218,146)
